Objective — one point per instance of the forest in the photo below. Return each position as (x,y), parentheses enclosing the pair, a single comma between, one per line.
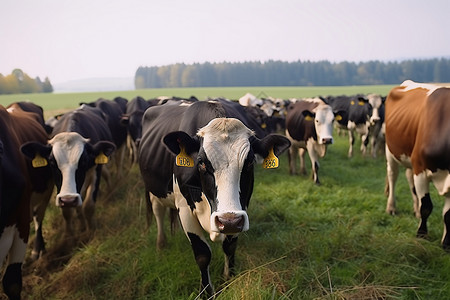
(298,73)
(19,82)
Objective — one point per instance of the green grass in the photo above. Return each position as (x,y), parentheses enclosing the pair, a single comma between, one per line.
(332,241)
(70,100)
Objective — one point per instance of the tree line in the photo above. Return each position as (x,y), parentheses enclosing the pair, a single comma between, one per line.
(299,73)
(19,82)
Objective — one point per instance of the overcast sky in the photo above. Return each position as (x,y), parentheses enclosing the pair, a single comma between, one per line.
(77,39)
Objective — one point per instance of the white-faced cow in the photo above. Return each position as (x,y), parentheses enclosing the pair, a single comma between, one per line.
(309,126)
(20,185)
(418,136)
(80,145)
(205,171)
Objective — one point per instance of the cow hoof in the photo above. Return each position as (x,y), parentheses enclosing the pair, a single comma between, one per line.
(422,235)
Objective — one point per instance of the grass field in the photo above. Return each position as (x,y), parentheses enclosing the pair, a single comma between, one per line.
(332,241)
(56,101)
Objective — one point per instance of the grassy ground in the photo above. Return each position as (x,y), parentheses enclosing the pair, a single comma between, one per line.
(62,101)
(332,241)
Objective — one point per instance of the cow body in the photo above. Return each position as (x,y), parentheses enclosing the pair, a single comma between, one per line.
(78,139)
(20,186)
(418,137)
(213,194)
(309,126)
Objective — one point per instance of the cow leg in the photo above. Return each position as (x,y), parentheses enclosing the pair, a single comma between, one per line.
(200,247)
(159,210)
(39,205)
(351,141)
(12,279)
(446,214)
(67,214)
(364,142)
(229,246)
(410,179)
(314,161)
(301,155)
(426,206)
(292,157)
(392,168)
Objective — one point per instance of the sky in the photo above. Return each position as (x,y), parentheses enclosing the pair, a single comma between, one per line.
(77,39)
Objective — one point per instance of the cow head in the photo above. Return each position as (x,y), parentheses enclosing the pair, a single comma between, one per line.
(70,157)
(323,118)
(225,155)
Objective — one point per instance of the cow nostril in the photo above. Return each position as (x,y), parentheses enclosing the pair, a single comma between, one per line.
(69,201)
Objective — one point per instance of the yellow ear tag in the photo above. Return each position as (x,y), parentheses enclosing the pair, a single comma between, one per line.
(263,125)
(338,118)
(352,102)
(308,118)
(101,159)
(38,161)
(184,160)
(361,103)
(271,161)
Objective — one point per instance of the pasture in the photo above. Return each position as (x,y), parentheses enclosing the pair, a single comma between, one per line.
(332,241)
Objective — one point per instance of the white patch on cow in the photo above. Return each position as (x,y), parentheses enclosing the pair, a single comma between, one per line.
(323,123)
(67,150)
(411,85)
(250,100)
(441,180)
(12,244)
(375,101)
(226,144)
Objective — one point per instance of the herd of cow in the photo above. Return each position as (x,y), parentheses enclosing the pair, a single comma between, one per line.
(197,159)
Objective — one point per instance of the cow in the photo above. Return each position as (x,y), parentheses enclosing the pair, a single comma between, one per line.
(132,120)
(113,111)
(79,146)
(199,158)
(375,136)
(418,137)
(20,185)
(353,113)
(309,126)
(39,201)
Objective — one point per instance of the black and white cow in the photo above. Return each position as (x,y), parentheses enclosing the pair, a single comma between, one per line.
(205,171)
(80,145)
(309,126)
(354,114)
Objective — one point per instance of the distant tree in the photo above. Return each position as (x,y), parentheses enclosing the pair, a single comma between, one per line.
(47,86)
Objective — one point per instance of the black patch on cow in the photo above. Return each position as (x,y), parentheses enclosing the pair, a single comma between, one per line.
(202,255)
(425,211)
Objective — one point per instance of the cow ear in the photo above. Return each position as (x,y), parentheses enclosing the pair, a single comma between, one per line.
(37,152)
(338,115)
(277,142)
(30,149)
(309,116)
(176,140)
(105,147)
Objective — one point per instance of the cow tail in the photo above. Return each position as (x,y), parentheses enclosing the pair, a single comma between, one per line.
(149,209)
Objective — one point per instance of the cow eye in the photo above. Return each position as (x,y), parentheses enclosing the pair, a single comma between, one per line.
(201,167)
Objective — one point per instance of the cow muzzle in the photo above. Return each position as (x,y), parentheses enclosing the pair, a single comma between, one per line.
(327,140)
(68,200)
(229,222)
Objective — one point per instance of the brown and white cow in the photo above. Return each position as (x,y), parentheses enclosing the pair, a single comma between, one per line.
(418,137)
(309,126)
(20,184)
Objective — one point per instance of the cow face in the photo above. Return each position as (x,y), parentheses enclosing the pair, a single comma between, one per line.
(323,123)
(224,168)
(70,157)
